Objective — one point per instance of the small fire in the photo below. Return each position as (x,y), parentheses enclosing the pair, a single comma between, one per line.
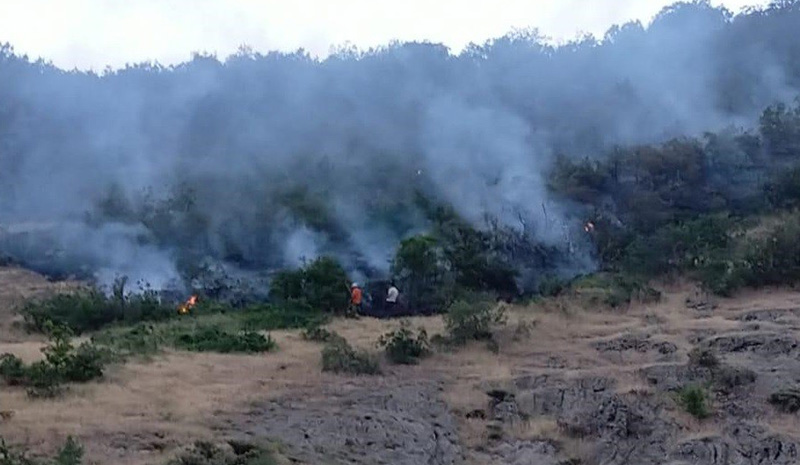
(588,227)
(184,309)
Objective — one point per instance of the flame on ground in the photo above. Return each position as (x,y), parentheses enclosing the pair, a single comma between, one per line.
(184,309)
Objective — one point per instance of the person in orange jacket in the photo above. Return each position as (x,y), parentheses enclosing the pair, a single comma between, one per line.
(355,300)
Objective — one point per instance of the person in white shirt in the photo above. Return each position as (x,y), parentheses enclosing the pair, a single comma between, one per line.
(391,297)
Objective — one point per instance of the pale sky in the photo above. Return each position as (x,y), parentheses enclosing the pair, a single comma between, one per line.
(99,33)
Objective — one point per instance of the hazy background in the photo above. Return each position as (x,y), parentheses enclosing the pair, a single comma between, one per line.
(261,159)
(93,34)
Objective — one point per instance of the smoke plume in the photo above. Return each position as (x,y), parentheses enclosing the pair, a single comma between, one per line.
(266,160)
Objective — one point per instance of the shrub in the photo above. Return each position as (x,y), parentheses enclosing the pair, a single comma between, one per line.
(614,289)
(421,270)
(784,190)
(211,339)
(774,257)
(84,364)
(287,315)
(339,357)
(694,400)
(81,311)
(287,285)
(726,379)
(12,370)
(43,381)
(317,333)
(401,346)
(71,453)
(63,363)
(90,310)
(142,339)
(322,285)
(473,320)
(720,277)
(705,358)
(206,453)
(681,246)
(326,286)
(552,286)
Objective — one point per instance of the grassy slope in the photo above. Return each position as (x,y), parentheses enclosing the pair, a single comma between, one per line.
(143,411)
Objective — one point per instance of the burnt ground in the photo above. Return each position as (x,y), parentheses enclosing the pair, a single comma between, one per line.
(571,384)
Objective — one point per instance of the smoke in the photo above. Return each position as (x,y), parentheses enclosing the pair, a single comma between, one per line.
(264,161)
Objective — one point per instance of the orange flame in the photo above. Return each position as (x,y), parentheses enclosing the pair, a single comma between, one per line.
(184,309)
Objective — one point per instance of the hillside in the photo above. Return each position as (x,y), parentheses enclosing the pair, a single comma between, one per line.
(569,384)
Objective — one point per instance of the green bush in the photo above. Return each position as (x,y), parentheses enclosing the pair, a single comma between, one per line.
(326,286)
(422,271)
(704,358)
(475,319)
(212,339)
(43,381)
(290,314)
(12,370)
(694,400)
(81,311)
(142,339)
(552,286)
(84,364)
(613,289)
(339,357)
(322,285)
(206,453)
(63,363)
(784,190)
(237,329)
(721,277)
(774,257)
(403,347)
(90,310)
(317,333)
(71,453)
(679,247)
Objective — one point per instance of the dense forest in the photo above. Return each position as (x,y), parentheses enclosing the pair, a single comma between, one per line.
(505,167)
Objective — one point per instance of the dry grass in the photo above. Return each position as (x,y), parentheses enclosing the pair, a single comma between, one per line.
(16,286)
(581,449)
(142,412)
(162,404)
(537,429)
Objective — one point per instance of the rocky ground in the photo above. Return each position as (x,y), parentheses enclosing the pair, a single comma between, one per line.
(572,384)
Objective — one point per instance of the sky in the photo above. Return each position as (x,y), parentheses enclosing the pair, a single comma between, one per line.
(95,34)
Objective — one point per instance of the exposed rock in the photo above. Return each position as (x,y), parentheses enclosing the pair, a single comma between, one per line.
(742,444)
(770,314)
(546,395)
(638,343)
(625,343)
(523,453)
(764,344)
(402,425)
(673,377)
(700,335)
